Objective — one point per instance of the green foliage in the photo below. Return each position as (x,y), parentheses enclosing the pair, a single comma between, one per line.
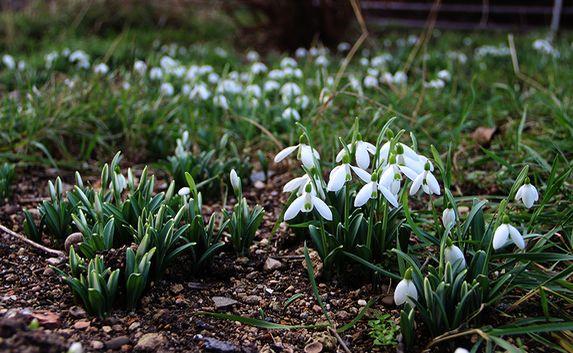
(137,266)
(383,330)
(6,179)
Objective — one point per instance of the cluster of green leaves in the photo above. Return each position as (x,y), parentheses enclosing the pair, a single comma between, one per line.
(383,330)
(6,179)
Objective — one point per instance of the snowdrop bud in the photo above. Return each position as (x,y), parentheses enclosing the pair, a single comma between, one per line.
(454,255)
(184,191)
(405,290)
(461,350)
(235,182)
(449,217)
(76,347)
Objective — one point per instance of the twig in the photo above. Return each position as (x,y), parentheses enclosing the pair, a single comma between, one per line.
(424,38)
(454,334)
(40,247)
(339,339)
(262,128)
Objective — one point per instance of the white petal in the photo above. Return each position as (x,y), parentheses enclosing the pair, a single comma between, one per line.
(363,195)
(295,183)
(500,236)
(362,174)
(516,237)
(322,208)
(519,194)
(388,195)
(404,290)
(453,254)
(362,155)
(306,156)
(409,172)
(416,184)
(284,153)
(433,183)
(370,147)
(340,155)
(337,178)
(294,208)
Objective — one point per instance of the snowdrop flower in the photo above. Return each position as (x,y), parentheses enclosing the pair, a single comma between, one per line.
(235,182)
(213,78)
(229,86)
(184,191)
(370,191)
(454,255)
(76,347)
(387,78)
(449,217)
(362,151)
(291,114)
(271,85)
(167,89)
(444,75)
(339,175)
(527,193)
(461,350)
(276,74)
(370,82)
(140,67)
(253,90)
(427,181)
(168,64)
(205,69)
(306,203)
(343,46)
(406,290)
(302,101)
(288,62)
(297,184)
(400,78)
(156,73)
(80,58)
(200,91)
(50,58)
(505,232)
(9,62)
(435,84)
(221,101)
(252,56)
(289,90)
(125,85)
(300,52)
(258,68)
(101,69)
(321,61)
(305,154)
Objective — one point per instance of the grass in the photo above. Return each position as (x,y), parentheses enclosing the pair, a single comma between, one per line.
(64,116)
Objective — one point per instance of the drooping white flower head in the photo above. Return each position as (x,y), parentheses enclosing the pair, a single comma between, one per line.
(140,67)
(406,290)
(449,217)
(101,69)
(291,114)
(362,151)
(427,181)
(339,175)
(527,193)
(167,89)
(9,62)
(505,232)
(370,191)
(235,182)
(461,350)
(306,203)
(76,347)
(305,154)
(454,255)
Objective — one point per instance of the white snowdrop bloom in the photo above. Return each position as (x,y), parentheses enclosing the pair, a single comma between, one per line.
(245,77)
(192,73)
(313,51)
(167,89)
(412,39)
(271,85)
(140,67)
(78,55)
(300,52)
(400,78)
(306,203)
(276,74)
(364,61)
(70,83)
(50,58)
(340,174)
(305,154)
(427,181)
(21,65)
(213,78)
(355,83)
(370,82)
(505,232)
(220,52)
(444,75)
(329,81)
(258,68)
(76,347)
(387,78)
(372,72)
(461,350)
(234,75)
(391,178)
(66,52)
(381,60)
(179,71)
(297,73)
(125,85)
(205,69)
(253,56)
(186,89)
(370,191)
(184,191)
(253,90)
(168,64)
(289,91)
(291,114)
(406,290)
(156,73)
(229,86)
(321,61)
(288,72)
(221,101)
(527,193)
(362,151)
(101,69)
(200,91)
(449,217)
(302,101)
(454,255)
(343,46)
(544,46)
(297,184)
(435,84)
(288,62)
